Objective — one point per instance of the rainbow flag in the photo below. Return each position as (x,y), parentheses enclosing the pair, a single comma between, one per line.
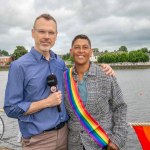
(142,131)
(86,120)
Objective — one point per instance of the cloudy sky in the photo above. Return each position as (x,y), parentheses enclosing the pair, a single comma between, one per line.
(109,23)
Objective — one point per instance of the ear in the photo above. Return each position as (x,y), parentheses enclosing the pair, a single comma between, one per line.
(33,32)
(71,52)
(56,36)
(91,52)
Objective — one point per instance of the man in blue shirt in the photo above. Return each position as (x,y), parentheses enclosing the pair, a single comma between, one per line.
(28,97)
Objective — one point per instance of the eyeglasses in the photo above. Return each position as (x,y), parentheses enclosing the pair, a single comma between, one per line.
(44,32)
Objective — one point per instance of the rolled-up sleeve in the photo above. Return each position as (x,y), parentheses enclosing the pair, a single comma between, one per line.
(14,104)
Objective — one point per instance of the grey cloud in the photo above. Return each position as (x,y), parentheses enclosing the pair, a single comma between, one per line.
(109,24)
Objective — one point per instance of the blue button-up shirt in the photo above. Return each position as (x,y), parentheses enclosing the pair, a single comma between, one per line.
(26,84)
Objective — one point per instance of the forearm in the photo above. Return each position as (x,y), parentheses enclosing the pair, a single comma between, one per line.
(17,111)
(51,101)
(37,106)
(20,110)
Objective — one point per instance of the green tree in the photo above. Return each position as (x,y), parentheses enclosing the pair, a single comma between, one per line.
(107,58)
(138,56)
(4,52)
(18,52)
(132,56)
(123,49)
(66,56)
(95,50)
(123,57)
(144,50)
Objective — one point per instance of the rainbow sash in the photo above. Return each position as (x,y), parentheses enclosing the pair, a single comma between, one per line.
(87,121)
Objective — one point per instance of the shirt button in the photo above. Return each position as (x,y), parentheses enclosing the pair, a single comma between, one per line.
(61,118)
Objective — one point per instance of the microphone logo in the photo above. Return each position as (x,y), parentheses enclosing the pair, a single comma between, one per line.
(53,89)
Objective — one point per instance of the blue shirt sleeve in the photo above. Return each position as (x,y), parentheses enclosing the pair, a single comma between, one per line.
(14,105)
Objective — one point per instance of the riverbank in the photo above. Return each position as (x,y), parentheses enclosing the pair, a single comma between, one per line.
(4,148)
(124,65)
(128,65)
(4,68)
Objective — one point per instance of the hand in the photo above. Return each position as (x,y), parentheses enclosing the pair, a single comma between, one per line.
(108,70)
(54,99)
(112,146)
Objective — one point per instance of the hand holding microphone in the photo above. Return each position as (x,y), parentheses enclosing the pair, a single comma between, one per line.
(52,82)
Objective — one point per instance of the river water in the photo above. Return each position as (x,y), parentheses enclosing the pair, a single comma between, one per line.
(135,87)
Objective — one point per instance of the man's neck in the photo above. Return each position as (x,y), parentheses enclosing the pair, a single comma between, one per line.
(80,69)
(46,54)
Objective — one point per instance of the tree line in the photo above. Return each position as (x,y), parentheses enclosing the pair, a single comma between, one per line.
(18,52)
(115,57)
(120,55)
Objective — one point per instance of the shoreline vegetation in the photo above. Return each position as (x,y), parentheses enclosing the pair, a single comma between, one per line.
(4,68)
(128,65)
(124,65)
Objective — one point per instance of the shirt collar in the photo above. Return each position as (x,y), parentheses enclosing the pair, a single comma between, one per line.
(38,56)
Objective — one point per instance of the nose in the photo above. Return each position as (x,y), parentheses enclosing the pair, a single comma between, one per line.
(81,49)
(46,35)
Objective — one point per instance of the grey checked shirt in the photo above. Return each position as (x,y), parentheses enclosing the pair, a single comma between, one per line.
(105,104)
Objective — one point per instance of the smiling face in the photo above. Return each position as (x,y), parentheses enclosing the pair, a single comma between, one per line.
(81,52)
(44,34)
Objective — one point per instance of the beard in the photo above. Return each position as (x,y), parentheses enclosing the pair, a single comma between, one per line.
(45,48)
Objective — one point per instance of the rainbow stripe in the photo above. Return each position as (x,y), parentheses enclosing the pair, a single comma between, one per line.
(87,121)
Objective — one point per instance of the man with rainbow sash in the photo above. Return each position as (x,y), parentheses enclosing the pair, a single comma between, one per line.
(94,102)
